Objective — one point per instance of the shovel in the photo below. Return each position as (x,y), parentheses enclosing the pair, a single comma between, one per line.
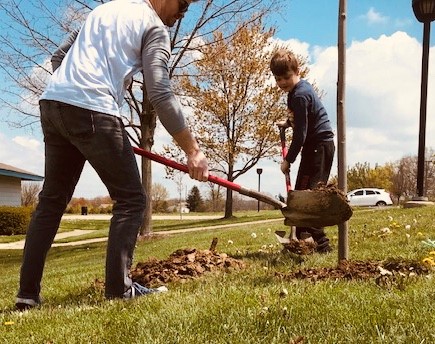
(317,208)
(280,235)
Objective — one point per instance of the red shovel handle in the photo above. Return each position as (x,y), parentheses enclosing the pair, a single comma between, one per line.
(284,154)
(213,179)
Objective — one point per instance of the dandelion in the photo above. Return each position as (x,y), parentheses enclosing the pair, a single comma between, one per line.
(283,292)
(407,236)
(385,230)
(253,235)
(390,218)
(269,230)
(408,227)
(230,242)
(432,253)
(8,323)
(419,234)
(429,261)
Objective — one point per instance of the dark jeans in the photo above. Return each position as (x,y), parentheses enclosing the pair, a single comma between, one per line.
(315,166)
(73,135)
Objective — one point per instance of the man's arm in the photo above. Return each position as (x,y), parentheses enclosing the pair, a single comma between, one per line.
(155,59)
(59,54)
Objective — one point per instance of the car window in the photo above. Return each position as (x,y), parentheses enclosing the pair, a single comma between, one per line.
(370,192)
(359,193)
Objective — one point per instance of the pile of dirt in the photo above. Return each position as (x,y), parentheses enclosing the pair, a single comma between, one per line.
(381,271)
(300,247)
(190,263)
(182,265)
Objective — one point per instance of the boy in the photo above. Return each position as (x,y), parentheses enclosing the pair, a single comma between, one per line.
(312,134)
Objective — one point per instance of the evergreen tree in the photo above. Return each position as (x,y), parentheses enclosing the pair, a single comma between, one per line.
(194,200)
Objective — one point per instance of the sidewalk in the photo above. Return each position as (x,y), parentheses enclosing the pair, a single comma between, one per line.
(19,245)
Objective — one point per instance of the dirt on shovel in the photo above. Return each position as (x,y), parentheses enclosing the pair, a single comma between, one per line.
(323,206)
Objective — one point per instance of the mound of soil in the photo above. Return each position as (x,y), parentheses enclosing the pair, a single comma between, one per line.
(190,263)
(183,265)
(381,271)
(300,247)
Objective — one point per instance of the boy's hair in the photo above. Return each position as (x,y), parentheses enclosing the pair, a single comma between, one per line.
(283,61)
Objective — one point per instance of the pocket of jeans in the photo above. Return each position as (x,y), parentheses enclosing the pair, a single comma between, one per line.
(78,123)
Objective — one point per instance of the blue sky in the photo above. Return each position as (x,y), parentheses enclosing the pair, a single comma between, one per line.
(382,92)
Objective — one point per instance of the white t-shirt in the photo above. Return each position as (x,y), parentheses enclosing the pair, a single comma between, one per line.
(118,40)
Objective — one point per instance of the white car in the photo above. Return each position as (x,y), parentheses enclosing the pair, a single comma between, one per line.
(369,197)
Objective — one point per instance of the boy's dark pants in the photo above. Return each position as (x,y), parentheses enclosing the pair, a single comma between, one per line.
(315,166)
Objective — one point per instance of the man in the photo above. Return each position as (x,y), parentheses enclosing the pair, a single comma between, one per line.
(80,118)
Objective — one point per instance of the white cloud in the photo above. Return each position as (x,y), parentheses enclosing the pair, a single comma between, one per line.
(382,96)
(27,142)
(373,17)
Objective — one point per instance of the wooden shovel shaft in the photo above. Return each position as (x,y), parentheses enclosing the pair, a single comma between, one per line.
(213,179)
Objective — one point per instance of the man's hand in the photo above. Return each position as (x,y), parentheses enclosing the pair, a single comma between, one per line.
(196,160)
(198,165)
(283,124)
(285,167)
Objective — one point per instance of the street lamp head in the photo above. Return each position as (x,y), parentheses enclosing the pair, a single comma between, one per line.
(424,10)
(259,170)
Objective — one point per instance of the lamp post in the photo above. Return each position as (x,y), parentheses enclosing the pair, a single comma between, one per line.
(259,171)
(424,11)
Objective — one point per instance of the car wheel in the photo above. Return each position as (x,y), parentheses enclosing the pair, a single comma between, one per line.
(381,204)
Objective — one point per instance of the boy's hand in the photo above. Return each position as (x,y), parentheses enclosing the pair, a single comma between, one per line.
(285,167)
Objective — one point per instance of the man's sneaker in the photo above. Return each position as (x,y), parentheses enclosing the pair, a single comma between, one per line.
(23,304)
(138,290)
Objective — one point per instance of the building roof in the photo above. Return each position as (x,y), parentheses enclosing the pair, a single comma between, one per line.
(11,171)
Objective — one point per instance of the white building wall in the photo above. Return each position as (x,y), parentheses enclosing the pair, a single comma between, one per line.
(10,191)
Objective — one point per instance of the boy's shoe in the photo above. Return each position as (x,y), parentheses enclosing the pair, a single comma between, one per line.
(22,304)
(323,249)
(138,290)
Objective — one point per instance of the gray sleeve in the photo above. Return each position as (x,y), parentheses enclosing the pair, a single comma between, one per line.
(155,59)
(59,54)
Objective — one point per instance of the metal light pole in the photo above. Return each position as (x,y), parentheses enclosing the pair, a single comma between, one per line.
(259,171)
(424,11)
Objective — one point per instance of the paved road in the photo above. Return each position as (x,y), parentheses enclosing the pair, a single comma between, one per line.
(19,245)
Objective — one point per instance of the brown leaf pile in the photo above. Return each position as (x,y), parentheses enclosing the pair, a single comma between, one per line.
(182,265)
(361,270)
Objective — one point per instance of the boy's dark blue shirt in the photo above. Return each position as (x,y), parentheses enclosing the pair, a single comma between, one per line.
(311,122)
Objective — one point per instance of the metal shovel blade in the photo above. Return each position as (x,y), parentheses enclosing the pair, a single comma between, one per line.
(321,207)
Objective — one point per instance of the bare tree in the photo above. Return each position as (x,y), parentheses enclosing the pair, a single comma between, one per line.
(29,193)
(34,29)
(159,196)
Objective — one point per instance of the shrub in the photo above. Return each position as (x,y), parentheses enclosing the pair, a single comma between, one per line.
(14,220)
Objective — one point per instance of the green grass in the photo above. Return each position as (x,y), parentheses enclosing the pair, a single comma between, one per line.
(240,306)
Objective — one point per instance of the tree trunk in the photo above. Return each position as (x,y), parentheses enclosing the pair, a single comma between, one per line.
(148,125)
(229,204)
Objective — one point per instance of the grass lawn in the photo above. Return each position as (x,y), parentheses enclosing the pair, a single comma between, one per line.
(245,306)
